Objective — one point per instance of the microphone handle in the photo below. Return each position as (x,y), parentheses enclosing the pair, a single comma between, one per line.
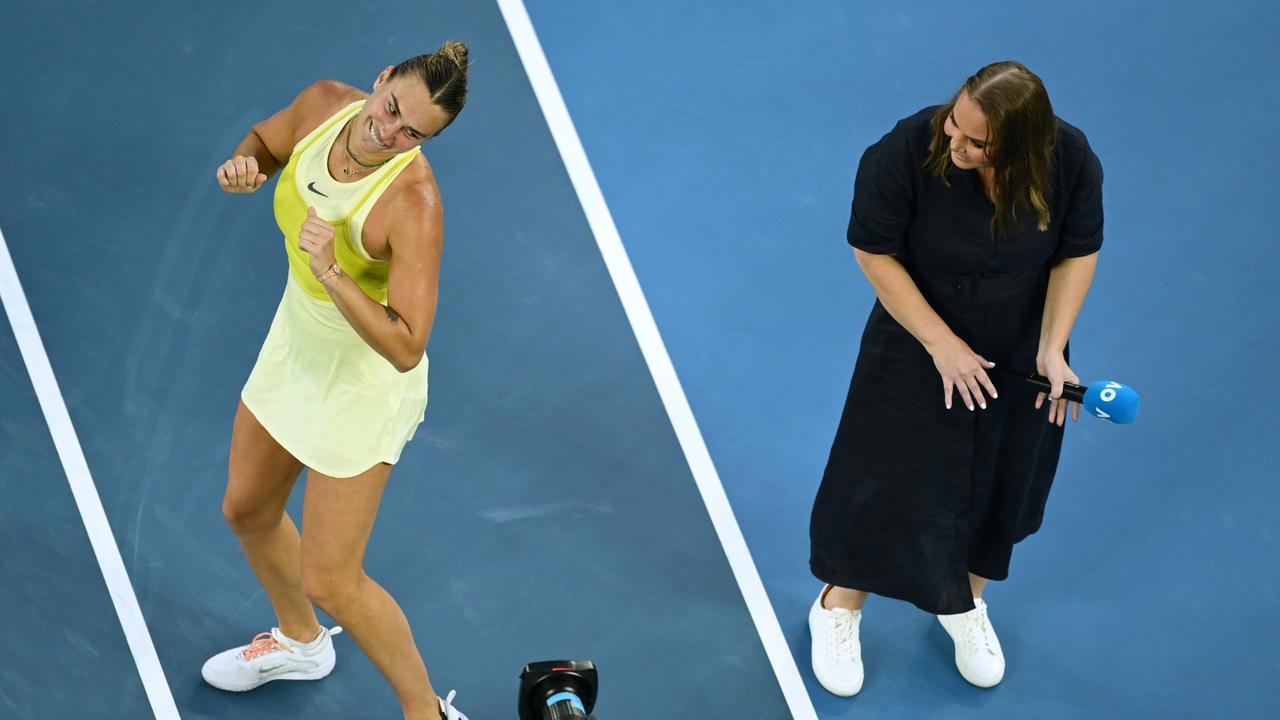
(1070,391)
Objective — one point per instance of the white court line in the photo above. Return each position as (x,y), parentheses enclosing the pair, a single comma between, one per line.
(82,487)
(655,354)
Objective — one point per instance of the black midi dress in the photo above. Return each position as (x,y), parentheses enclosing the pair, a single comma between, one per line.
(915,496)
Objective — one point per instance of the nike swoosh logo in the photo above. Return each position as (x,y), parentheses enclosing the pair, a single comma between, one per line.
(312,187)
(299,663)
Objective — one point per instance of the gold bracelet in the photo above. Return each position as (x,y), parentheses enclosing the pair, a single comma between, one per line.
(335,270)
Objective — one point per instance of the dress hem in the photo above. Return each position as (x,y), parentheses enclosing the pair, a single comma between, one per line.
(341,475)
(847,581)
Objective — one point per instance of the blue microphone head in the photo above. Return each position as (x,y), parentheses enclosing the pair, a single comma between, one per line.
(1112,401)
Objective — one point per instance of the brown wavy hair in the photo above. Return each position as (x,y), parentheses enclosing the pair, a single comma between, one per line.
(1021,129)
(445,74)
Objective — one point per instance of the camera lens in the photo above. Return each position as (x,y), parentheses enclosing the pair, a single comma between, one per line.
(558,690)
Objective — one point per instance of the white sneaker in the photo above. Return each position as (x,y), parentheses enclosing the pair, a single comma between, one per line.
(271,656)
(450,712)
(978,654)
(836,650)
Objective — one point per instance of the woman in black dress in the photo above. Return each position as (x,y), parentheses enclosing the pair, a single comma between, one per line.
(978,224)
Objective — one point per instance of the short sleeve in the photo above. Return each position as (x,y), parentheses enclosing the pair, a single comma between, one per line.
(1082,226)
(882,196)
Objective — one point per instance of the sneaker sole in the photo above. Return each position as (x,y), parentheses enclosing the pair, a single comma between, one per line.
(837,691)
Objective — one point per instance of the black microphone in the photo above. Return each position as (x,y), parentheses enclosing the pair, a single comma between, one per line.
(1106,399)
(1070,391)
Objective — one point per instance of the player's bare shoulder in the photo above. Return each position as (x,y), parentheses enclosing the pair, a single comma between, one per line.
(417,215)
(319,101)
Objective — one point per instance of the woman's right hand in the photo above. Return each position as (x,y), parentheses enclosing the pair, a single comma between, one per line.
(240,175)
(964,371)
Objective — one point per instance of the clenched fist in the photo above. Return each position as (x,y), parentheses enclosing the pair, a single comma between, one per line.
(316,238)
(240,175)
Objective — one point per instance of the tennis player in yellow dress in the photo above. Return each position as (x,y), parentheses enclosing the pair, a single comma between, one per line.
(341,382)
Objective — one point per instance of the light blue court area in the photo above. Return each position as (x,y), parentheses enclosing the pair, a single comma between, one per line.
(545,509)
(726,136)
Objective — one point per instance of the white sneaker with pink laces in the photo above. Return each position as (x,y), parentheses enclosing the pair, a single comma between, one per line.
(271,656)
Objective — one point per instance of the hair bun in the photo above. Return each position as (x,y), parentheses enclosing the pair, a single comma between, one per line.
(455,51)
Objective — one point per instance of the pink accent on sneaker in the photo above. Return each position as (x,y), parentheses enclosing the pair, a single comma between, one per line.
(262,644)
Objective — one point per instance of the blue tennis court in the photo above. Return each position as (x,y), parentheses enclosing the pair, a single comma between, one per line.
(560,501)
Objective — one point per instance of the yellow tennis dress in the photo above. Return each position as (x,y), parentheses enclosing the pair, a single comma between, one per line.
(319,389)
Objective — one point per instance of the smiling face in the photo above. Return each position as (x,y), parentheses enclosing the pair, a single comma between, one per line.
(966,127)
(398,115)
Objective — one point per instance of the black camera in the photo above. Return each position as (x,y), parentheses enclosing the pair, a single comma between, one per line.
(558,690)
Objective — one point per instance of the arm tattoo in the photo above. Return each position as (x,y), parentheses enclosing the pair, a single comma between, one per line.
(392,315)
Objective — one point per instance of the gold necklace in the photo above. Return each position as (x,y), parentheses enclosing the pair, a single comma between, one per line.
(346,164)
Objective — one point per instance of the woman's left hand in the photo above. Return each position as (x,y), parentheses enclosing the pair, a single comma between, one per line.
(316,238)
(1054,366)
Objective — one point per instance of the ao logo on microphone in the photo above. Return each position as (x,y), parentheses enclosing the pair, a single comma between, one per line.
(1109,392)
(1112,401)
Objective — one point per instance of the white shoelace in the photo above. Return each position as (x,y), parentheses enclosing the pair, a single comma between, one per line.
(840,641)
(446,707)
(977,630)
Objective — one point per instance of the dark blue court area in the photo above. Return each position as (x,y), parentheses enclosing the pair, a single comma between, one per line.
(546,508)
